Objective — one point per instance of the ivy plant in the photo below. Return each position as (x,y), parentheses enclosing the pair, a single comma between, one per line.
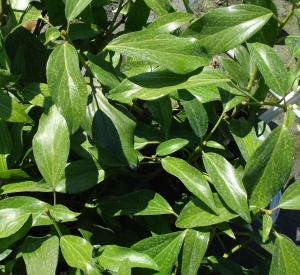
(132,145)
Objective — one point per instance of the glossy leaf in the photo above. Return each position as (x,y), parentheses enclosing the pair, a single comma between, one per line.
(62,214)
(228,183)
(271,67)
(5,145)
(291,197)
(160,7)
(170,146)
(143,202)
(274,154)
(164,249)
(125,268)
(195,213)
(286,257)
(194,248)
(51,145)
(206,93)
(179,55)
(153,85)
(171,22)
(225,228)
(74,8)
(24,186)
(112,257)
(223,29)
(267,226)
(192,178)
(66,84)
(77,252)
(41,254)
(12,221)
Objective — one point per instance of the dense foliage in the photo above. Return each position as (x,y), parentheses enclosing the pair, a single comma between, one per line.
(130,145)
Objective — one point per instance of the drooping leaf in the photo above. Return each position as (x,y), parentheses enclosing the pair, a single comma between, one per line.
(112,256)
(41,254)
(51,145)
(192,178)
(286,256)
(164,249)
(196,213)
(228,183)
(291,197)
(160,7)
(66,84)
(194,248)
(179,55)
(267,226)
(274,154)
(143,202)
(271,67)
(223,29)
(170,146)
(5,145)
(74,8)
(153,85)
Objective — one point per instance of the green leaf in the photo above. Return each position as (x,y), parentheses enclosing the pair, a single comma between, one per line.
(170,146)
(62,214)
(74,8)
(38,94)
(161,109)
(274,154)
(112,257)
(226,266)
(245,137)
(194,248)
(125,268)
(12,220)
(83,31)
(195,113)
(51,145)
(24,186)
(153,85)
(230,26)
(271,67)
(196,213)
(179,55)
(206,93)
(5,145)
(225,228)
(41,254)
(291,197)
(13,174)
(51,34)
(228,183)
(77,252)
(137,16)
(164,249)
(267,226)
(143,202)
(160,7)
(192,178)
(11,110)
(286,257)
(171,21)
(67,85)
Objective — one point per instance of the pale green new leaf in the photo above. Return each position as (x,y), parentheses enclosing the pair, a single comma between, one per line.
(153,85)
(74,8)
(113,256)
(125,268)
(228,183)
(267,226)
(223,29)
(194,248)
(12,220)
(142,202)
(66,84)
(192,178)
(269,167)
(291,197)
(41,255)
(160,7)
(271,67)
(51,145)
(170,146)
(179,55)
(286,257)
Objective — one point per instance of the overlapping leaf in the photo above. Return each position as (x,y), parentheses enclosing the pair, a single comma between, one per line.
(291,197)
(160,7)
(74,8)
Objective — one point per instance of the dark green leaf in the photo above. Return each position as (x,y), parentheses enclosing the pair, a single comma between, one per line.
(179,55)
(160,7)
(226,266)
(74,8)
(137,16)
(223,29)
(51,145)
(67,85)
(291,197)
(83,31)
(271,67)
(274,154)
(228,183)
(170,146)
(41,254)
(143,202)
(192,178)
(112,257)
(5,145)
